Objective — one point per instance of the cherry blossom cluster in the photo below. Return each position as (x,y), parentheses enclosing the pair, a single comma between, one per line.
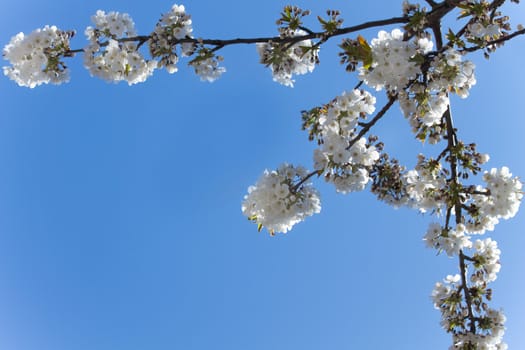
(343,157)
(424,110)
(458,318)
(500,199)
(462,302)
(206,65)
(172,26)
(281,198)
(485,24)
(484,31)
(285,60)
(417,14)
(425,185)
(110,58)
(394,61)
(425,102)
(285,197)
(452,241)
(486,261)
(450,73)
(461,315)
(36,58)
(113,52)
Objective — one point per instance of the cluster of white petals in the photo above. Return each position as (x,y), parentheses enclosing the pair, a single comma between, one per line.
(492,339)
(343,158)
(35,58)
(443,291)
(447,298)
(487,260)
(285,60)
(208,68)
(502,201)
(112,24)
(449,240)
(423,186)
(505,193)
(449,72)
(424,104)
(281,198)
(108,57)
(426,110)
(393,64)
(479,30)
(173,26)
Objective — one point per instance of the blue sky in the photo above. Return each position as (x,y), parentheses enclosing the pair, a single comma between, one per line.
(120,220)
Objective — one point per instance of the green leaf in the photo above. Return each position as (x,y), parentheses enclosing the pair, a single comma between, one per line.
(450,35)
(321,20)
(365,52)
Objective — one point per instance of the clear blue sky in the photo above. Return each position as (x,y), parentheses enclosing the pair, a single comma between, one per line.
(120,220)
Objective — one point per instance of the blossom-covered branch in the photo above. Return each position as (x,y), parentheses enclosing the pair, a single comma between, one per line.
(411,65)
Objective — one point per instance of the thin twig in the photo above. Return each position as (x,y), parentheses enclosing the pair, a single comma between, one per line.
(494,42)
(300,183)
(378,116)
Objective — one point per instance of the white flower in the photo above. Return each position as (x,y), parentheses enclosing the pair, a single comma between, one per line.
(392,66)
(320,159)
(36,58)
(487,256)
(451,240)
(297,59)
(431,113)
(344,158)
(363,154)
(505,193)
(422,187)
(110,59)
(177,21)
(350,180)
(500,199)
(450,72)
(281,199)
(443,291)
(479,30)
(208,69)
(173,26)
(113,23)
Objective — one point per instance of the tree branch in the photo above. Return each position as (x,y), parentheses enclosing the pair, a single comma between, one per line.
(378,116)
(275,39)
(494,42)
(300,183)
(466,292)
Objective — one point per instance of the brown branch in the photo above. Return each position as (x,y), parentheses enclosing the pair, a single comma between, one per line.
(432,3)
(300,183)
(464,286)
(276,39)
(493,6)
(378,116)
(494,42)
(295,39)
